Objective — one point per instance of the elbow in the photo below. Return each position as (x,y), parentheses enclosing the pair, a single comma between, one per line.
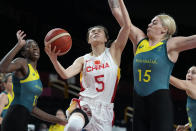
(113,12)
(63,76)
(2,69)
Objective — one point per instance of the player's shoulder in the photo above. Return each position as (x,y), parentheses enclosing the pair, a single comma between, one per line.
(80,59)
(20,60)
(3,96)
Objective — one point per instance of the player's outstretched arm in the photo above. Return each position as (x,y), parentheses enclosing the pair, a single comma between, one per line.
(7,64)
(71,71)
(47,117)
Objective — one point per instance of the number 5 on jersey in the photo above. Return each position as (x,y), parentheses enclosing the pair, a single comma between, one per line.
(146,77)
(100,82)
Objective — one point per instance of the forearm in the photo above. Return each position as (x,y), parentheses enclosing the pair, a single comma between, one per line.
(125,15)
(45,116)
(4,64)
(113,4)
(180,84)
(119,11)
(116,11)
(191,92)
(59,68)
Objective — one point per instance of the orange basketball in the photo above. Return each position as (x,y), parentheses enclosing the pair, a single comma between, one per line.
(60,38)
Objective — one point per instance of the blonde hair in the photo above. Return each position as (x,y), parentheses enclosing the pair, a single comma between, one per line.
(168,22)
(193,66)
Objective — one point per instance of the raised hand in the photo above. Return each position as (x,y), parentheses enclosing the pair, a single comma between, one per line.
(20,36)
(51,52)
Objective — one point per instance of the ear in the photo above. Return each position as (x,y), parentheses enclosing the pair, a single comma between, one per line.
(88,41)
(164,30)
(105,40)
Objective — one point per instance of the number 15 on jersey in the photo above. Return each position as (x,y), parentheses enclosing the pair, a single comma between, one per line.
(146,77)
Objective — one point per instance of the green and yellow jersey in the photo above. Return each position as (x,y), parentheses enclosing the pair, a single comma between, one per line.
(10,99)
(151,67)
(191,106)
(56,127)
(27,90)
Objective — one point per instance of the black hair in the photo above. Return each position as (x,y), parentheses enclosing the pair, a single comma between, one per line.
(98,26)
(28,41)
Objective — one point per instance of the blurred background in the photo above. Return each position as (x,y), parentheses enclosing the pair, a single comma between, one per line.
(37,17)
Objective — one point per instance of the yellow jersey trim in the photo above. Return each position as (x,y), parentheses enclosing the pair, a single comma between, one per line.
(118,74)
(33,75)
(81,73)
(144,46)
(10,99)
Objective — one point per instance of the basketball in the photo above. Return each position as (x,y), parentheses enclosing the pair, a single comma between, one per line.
(60,39)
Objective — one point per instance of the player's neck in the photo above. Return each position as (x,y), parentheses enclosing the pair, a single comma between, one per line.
(98,50)
(33,64)
(154,41)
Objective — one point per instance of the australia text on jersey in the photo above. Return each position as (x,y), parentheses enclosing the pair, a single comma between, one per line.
(150,61)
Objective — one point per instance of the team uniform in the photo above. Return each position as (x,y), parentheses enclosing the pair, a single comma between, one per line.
(98,80)
(191,106)
(56,127)
(10,99)
(152,102)
(26,93)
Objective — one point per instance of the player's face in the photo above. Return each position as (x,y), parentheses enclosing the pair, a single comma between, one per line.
(8,84)
(97,35)
(191,75)
(155,27)
(33,51)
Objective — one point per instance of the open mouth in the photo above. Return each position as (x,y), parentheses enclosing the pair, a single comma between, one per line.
(95,36)
(36,53)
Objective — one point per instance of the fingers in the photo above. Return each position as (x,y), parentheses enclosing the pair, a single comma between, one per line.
(46,43)
(48,49)
(54,49)
(51,52)
(20,34)
(58,52)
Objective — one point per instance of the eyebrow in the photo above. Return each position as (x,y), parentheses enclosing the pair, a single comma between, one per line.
(154,20)
(96,29)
